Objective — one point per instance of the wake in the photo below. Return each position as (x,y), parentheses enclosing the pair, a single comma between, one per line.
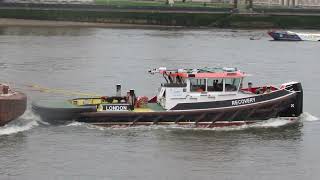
(271,123)
(308,117)
(26,122)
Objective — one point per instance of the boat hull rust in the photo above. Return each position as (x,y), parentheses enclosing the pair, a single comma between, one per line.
(11,107)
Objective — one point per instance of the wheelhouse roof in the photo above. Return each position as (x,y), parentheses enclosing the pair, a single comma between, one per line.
(201,73)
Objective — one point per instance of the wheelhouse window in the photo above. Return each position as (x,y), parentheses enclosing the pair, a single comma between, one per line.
(179,80)
(174,81)
(197,85)
(232,84)
(215,85)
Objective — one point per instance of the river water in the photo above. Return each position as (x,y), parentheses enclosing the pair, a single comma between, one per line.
(93,60)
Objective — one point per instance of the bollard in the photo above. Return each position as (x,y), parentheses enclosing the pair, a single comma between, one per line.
(118,90)
(132,98)
(5,89)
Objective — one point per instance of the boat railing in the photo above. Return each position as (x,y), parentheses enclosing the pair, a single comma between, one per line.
(173,85)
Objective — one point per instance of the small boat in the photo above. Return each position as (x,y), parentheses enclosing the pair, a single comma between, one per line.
(12,104)
(207,98)
(293,36)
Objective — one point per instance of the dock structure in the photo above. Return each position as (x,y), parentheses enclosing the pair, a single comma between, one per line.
(51,1)
(233,3)
(289,3)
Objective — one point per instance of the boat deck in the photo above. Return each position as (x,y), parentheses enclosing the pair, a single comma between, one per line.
(56,104)
(151,107)
(155,107)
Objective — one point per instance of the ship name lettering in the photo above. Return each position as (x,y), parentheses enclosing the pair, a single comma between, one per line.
(118,108)
(243,101)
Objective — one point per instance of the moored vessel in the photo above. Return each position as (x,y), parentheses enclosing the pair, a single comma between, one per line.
(293,36)
(207,97)
(12,104)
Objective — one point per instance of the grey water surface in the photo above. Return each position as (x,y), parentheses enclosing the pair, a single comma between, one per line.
(94,60)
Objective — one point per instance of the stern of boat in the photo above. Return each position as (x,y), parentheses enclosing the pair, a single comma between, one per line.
(295,108)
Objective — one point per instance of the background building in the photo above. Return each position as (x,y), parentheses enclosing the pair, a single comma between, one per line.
(297,3)
(53,1)
(284,3)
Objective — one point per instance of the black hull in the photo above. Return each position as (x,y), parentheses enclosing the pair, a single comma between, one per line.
(60,115)
(250,113)
(283,103)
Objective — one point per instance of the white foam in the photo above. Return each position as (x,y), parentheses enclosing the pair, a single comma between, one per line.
(101,128)
(26,122)
(308,117)
(29,115)
(13,128)
(89,126)
(42,122)
(139,128)
(271,123)
(76,124)
(226,128)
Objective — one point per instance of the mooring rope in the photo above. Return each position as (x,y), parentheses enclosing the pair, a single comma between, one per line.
(60,91)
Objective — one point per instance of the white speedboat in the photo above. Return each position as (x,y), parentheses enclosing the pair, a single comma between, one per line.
(293,36)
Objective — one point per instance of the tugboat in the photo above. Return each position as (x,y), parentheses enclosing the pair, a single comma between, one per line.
(293,36)
(12,104)
(207,98)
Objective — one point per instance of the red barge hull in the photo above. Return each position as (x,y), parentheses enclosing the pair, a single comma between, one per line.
(12,106)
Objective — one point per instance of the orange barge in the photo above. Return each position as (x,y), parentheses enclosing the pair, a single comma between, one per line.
(12,104)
